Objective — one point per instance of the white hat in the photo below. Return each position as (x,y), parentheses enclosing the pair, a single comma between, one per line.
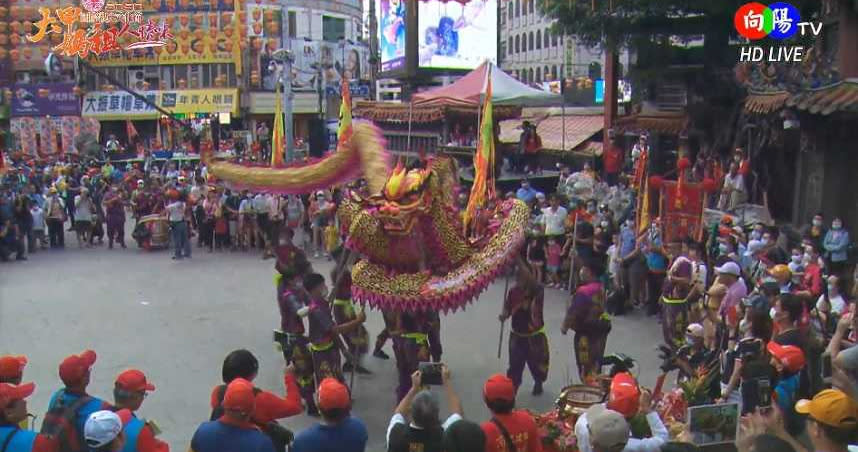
(101,428)
(695,329)
(608,428)
(729,268)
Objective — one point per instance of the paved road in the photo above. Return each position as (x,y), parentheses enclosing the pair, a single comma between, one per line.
(177,320)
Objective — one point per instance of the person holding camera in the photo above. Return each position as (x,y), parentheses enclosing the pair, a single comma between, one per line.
(234,430)
(424,431)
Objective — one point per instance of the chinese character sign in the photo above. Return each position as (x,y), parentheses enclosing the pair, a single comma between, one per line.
(96,32)
(777,21)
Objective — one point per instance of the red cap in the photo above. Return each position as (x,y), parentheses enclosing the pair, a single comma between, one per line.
(9,393)
(239,396)
(499,387)
(790,356)
(625,395)
(333,395)
(12,366)
(133,380)
(74,367)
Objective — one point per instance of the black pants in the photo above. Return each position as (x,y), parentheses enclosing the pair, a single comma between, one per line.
(56,233)
(654,281)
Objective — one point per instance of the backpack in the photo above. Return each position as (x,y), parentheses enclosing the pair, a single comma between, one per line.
(280,436)
(60,424)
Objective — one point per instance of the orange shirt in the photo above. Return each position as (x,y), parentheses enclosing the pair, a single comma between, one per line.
(522,430)
(270,406)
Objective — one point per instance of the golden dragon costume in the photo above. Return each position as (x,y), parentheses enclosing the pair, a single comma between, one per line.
(414,253)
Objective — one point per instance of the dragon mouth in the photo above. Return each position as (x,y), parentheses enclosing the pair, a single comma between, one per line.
(397,225)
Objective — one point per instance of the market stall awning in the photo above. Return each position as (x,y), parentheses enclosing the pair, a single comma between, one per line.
(506,90)
(399,112)
(668,123)
(578,129)
(765,103)
(841,96)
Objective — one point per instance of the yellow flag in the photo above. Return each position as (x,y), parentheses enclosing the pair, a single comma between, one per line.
(643,215)
(278,134)
(483,187)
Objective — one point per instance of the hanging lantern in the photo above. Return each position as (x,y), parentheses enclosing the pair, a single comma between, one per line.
(3,26)
(4,40)
(256,14)
(27,52)
(198,19)
(26,26)
(44,92)
(257,28)
(182,83)
(213,47)
(184,34)
(185,48)
(242,17)
(184,4)
(227,18)
(227,31)
(56,38)
(199,34)
(158,50)
(242,44)
(213,20)
(15,26)
(272,44)
(228,46)
(213,4)
(269,15)
(257,44)
(213,32)
(273,27)
(3,11)
(162,86)
(171,5)
(170,20)
(184,20)
(242,30)
(3,53)
(77,91)
(254,79)
(145,86)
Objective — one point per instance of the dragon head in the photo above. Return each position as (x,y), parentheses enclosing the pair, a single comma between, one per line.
(403,198)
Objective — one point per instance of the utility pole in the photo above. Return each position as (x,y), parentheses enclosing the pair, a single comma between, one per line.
(287,85)
(373,49)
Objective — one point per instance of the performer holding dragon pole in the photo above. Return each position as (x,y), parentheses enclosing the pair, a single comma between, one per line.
(528,343)
(357,340)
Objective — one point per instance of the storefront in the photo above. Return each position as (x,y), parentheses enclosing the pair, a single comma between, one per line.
(305,107)
(46,119)
(116,110)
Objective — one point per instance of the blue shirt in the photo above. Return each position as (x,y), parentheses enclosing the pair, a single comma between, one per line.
(350,435)
(215,436)
(95,404)
(526,194)
(627,241)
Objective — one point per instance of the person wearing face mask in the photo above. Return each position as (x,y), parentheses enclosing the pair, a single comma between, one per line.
(815,231)
(733,191)
(835,244)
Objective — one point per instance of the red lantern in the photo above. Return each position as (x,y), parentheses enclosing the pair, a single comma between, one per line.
(709,185)
(683,164)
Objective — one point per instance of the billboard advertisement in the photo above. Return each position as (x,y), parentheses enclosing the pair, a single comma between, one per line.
(45,99)
(391,30)
(455,35)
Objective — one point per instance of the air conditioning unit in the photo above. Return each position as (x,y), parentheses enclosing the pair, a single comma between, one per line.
(136,78)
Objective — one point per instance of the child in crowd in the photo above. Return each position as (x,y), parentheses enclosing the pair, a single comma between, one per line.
(553,251)
(536,257)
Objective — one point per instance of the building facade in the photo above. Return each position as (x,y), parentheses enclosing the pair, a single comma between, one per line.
(217,65)
(534,53)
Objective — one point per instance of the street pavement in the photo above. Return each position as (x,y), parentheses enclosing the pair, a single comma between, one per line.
(177,320)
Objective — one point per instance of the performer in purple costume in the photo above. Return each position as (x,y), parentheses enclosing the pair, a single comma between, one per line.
(586,316)
(528,343)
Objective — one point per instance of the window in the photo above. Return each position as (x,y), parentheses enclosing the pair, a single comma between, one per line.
(538,75)
(517,48)
(530,40)
(517,8)
(530,75)
(554,39)
(531,2)
(554,72)
(509,45)
(546,36)
(524,7)
(293,24)
(509,10)
(545,73)
(538,39)
(333,28)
